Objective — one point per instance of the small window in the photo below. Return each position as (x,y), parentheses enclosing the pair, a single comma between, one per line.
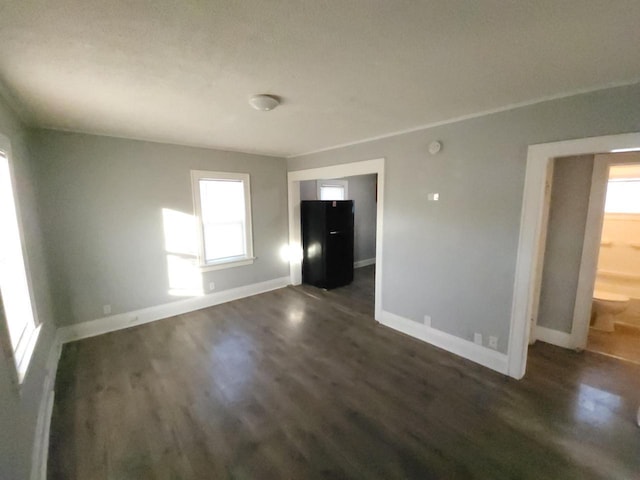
(223,210)
(16,306)
(333,190)
(623,196)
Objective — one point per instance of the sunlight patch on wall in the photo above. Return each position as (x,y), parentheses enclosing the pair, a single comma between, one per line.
(180,239)
(179,232)
(291,253)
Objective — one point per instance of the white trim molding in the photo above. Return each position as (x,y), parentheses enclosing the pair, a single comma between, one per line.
(531,232)
(554,337)
(459,346)
(364,263)
(112,323)
(40,452)
(461,118)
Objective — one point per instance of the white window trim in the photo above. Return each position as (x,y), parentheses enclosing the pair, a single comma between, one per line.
(27,345)
(333,183)
(196,176)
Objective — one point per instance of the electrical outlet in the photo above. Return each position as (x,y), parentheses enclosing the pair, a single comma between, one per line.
(493,342)
(477,338)
(212,286)
(106,309)
(427,320)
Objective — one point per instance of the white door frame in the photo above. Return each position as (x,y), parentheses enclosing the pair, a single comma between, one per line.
(539,158)
(544,224)
(334,171)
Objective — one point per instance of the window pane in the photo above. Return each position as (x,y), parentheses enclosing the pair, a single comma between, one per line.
(223,240)
(222,200)
(331,192)
(13,277)
(623,196)
(223,218)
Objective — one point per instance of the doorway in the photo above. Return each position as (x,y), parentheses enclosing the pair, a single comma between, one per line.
(343,171)
(535,207)
(361,190)
(582,229)
(615,317)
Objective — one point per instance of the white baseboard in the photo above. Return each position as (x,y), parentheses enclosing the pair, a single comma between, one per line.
(151,314)
(364,263)
(464,348)
(554,337)
(41,439)
(109,324)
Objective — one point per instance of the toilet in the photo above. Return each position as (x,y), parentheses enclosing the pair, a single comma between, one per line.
(606,306)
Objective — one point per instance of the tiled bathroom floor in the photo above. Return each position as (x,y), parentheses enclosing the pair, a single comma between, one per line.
(623,343)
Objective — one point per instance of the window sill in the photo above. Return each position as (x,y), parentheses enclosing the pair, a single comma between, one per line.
(230,263)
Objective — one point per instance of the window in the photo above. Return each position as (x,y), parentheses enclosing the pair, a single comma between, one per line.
(333,190)
(16,308)
(623,189)
(623,196)
(223,210)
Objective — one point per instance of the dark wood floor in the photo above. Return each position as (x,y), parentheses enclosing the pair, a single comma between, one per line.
(302,384)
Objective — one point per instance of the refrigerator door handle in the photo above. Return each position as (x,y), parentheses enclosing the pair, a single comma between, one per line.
(334,232)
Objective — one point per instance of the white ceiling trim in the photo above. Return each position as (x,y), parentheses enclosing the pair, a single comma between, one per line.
(181,73)
(218,148)
(471,116)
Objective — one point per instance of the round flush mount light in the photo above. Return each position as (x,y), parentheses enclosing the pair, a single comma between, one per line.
(263,102)
(435,147)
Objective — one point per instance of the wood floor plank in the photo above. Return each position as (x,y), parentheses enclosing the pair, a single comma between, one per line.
(301,383)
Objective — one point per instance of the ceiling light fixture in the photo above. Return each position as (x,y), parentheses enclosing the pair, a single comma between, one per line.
(263,102)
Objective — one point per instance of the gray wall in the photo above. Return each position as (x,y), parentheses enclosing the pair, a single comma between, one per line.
(455,259)
(362,190)
(565,237)
(18,410)
(308,190)
(102,201)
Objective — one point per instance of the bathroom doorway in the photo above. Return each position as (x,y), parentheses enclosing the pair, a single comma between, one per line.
(615,316)
(589,272)
(531,246)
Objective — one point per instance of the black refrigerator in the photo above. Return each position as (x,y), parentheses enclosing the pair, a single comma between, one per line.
(327,240)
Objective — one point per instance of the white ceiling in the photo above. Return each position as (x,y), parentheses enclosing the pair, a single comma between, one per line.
(347,70)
